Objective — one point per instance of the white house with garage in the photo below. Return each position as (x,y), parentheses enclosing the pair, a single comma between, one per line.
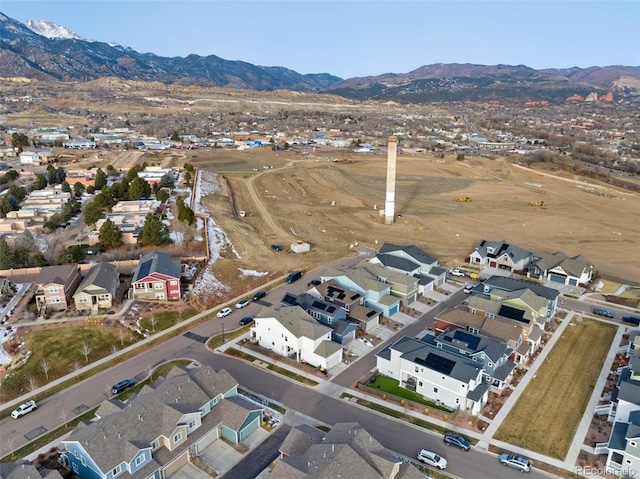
(444,378)
(559,268)
(291,332)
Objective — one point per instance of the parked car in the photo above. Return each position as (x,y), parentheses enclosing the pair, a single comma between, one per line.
(259,295)
(517,462)
(245,320)
(631,319)
(314,282)
(468,289)
(24,409)
(224,312)
(242,303)
(451,439)
(122,386)
(457,272)
(432,459)
(276,247)
(294,276)
(605,313)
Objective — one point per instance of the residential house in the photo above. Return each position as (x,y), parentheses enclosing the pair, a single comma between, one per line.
(26,470)
(347,450)
(445,378)
(55,287)
(157,277)
(492,354)
(329,314)
(98,289)
(522,340)
(495,287)
(500,254)
(376,292)
(351,301)
(293,333)
(412,261)
(29,158)
(623,447)
(156,432)
(559,268)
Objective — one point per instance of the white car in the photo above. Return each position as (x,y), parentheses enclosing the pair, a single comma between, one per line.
(24,409)
(432,459)
(224,312)
(457,272)
(242,303)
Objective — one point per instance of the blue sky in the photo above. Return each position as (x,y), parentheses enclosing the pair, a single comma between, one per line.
(359,38)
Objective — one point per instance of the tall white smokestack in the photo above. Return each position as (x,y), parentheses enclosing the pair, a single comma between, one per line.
(390,204)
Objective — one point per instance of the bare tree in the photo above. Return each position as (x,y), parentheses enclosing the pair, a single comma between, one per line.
(86,350)
(76,365)
(153,323)
(63,415)
(114,349)
(46,367)
(32,384)
(121,335)
(11,442)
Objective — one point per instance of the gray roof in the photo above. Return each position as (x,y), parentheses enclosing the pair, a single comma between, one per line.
(25,470)
(501,247)
(363,279)
(396,262)
(509,284)
(411,250)
(300,438)
(327,348)
(575,266)
(296,320)
(117,437)
(473,343)
(103,278)
(421,353)
(55,274)
(379,271)
(504,370)
(478,392)
(628,389)
(157,262)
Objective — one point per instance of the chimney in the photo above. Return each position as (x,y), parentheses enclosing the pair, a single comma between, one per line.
(390,203)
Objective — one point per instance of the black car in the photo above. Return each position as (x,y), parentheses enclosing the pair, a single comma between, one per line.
(451,439)
(605,313)
(294,276)
(314,282)
(245,320)
(259,295)
(631,319)
(276,247)
(122,386)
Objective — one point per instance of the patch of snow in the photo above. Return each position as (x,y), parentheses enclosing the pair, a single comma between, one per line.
(176,237)
(250,272)
(5,337)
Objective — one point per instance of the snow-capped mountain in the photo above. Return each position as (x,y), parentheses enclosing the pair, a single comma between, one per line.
(52,30)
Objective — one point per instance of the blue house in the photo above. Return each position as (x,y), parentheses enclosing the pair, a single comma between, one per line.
(329,314)
(156,432)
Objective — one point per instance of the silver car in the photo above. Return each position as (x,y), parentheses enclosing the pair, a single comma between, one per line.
(517,462)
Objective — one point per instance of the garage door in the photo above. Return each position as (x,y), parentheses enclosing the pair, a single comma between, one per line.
(573,281)
(252,426)
(393,310)
(177,463)
(557,278)
(206,440)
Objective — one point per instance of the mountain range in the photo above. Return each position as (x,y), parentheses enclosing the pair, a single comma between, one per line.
(45,51)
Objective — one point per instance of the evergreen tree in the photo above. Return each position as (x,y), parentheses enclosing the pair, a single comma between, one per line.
(78,189)
(186,215)
(175,136)
(154,233)
(101,179)
(166,181)
(51,174)
(40,183)
(92,212)
(5,206)
(18,192)
(61,175)
(64,186)
(139,188)
(6,255)
(110,235)
(162,195)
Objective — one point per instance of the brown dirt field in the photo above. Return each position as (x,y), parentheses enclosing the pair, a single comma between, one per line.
(292,201)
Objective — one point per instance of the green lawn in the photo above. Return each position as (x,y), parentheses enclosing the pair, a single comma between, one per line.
(547,414)
(165,319)
(63,351)
(392,386)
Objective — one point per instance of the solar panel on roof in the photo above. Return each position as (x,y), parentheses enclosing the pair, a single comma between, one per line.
(333,291)
(467,338)
(512,313)
(355,296)
(331,309)
(144,270)
(437,363)
(371,313)
(319,305)
(290,299)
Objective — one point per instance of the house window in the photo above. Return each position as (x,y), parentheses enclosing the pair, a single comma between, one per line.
(416,369)
(158,286)
(177,437)
(435,390)
(627,461)
(75,453)
(53,289)
(83,299)
(192,424)
(159,295)
(490,364)
(82,460)
(75,468)
(173,283)
(155,445)
(139,460)
(420,383)
(457,400)
(633,443)
(117,470)
(55,299)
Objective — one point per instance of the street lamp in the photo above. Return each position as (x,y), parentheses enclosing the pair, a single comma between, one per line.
(222,333)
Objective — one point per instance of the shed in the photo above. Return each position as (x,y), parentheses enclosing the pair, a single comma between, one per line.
(299,247)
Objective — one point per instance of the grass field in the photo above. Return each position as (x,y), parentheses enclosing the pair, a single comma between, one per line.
(61,351)
(165,319)
(546,416)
